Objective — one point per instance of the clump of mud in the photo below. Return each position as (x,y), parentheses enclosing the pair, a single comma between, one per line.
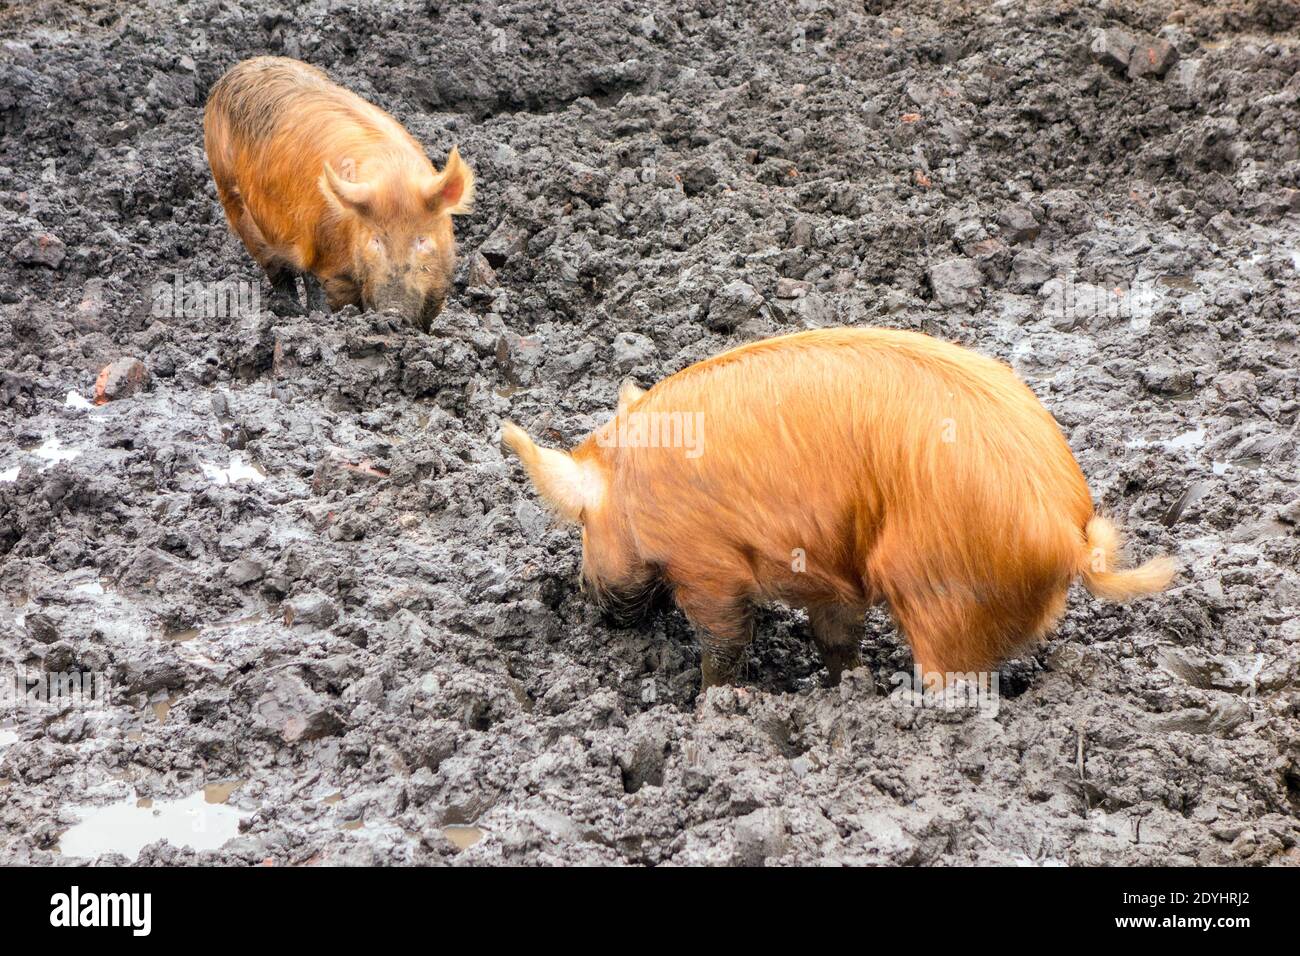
(293,563)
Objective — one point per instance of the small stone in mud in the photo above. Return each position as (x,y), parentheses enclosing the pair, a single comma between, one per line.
(336,473)
(584,181)
(697,176)
(735,302)
(147,675)
(16,390)
(349,527)
(506,242)
(760,835)
(244,571)
(1018,224)
(1113,48)
(1221,226)
(480,274)
(1151,58)
(952,281)
(991,250)
(295,711)
(43,249)
(120,379)
(1165,380)
(574,362)
(791,288)
(1029,270)
(41,627)
(1290,512)
(313,609)
(632,349)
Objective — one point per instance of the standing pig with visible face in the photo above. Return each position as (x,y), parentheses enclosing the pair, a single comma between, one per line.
(317,182)
(834,470)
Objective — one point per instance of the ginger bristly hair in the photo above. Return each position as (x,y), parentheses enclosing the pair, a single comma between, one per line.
(306,171)
(901,468)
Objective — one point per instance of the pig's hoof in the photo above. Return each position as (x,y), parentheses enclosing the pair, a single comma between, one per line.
(317,301)
(837,662)
(283,305)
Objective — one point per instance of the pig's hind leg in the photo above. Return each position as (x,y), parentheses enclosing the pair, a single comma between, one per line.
(284,280)
(836,630)
(725,626)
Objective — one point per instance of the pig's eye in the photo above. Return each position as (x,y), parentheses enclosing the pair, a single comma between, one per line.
(423,244)
(376,245)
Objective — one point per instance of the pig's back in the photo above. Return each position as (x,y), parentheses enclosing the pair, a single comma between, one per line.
(261,96)
(270,126)
(276,115)
(832,438)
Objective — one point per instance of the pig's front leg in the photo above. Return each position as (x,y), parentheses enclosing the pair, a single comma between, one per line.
(725,627)
(341,291)
(317,299)
(836,631)
(284,291)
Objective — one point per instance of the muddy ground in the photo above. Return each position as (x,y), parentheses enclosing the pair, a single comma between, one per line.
(316,592)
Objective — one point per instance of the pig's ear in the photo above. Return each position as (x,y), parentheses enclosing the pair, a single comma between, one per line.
(452,190)
(344,195)
(628,393)
(568,486)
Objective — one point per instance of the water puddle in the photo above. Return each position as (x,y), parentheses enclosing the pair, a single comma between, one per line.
(163,706)
(130,825)
(1248,463)
(462,836)
(237,470)
(185,634)
(53,451)
(1190,439)
(221,791)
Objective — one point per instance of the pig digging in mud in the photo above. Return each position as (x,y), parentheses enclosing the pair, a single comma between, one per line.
(834,470)
(317,182)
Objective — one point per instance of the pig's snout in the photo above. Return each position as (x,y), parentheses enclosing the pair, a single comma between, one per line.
(414,308)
